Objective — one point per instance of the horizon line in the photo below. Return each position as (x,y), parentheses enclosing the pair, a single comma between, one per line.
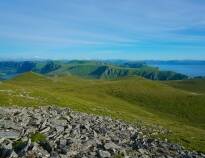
(77,59)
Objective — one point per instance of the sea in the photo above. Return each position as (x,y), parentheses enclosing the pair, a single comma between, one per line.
(189,70)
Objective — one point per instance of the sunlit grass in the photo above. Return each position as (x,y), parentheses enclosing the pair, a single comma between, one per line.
(131,99)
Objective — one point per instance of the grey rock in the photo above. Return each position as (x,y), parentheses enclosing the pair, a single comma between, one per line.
(54,155)
(59,129)
(9,134)
(13,155)
(45,130)
(72,153)
(62,146)
(111,145)
(39,152)
(21,148)
(104,154)
(5,149)
(9,124)
(59,122)
(5,153)
(63,142)
(46,146)
(142,151)
(74,134)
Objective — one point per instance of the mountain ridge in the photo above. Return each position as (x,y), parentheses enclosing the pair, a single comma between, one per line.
(88,69)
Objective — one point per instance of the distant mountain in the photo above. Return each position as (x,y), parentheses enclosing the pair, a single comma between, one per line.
(89,69)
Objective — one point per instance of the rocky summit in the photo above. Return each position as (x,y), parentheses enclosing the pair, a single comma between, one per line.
(61,133)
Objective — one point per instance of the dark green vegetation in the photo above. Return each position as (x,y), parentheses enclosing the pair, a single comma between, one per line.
(19,145)
(38,137)
(132,99)
(88,69)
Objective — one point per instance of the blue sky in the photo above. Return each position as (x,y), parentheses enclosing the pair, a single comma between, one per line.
(102,29)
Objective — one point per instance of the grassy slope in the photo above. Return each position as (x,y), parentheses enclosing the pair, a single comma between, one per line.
(193,85)
(131,99)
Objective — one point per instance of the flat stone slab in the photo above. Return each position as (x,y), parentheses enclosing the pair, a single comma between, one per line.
(8,124)
(9,134)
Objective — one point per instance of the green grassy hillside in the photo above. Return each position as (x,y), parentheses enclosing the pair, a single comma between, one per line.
(132,99)
(193,85)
